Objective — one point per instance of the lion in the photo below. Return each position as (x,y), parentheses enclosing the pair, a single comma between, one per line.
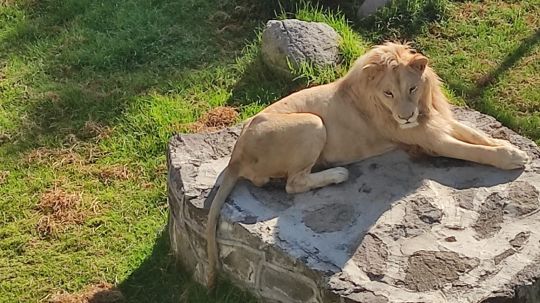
(389,98)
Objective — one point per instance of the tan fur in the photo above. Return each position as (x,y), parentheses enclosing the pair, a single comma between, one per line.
(356,117)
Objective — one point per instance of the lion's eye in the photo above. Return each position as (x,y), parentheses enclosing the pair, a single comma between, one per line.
(413,89)
(388,94)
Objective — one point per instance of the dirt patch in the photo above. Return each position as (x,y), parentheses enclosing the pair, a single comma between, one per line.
(490,217)
(329,218)
(97,293)
(58,210)
(217,118)
(372,256)
(431,270)
(420,215)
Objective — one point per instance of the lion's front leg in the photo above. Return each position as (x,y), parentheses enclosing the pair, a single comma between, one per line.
(467,134)
(502,156)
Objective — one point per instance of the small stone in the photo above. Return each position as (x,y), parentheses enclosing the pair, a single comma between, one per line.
(465,198)
(505,254)
(250,220)
(450,239)
(426,211)
(520,239)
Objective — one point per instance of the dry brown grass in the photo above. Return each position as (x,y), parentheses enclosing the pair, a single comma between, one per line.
(217,118)
(4,138)
(55,156)
(3,176)
(96,130)
(78,154)
(59,209)
(111,173)
(97,293)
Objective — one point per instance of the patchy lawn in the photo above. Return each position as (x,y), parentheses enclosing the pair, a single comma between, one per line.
(91,90)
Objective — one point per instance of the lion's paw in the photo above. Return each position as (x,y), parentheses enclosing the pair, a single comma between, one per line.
(511,158)
(502,142)
(339,174)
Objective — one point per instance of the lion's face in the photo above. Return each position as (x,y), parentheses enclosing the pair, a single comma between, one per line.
(395,76)
(400,90)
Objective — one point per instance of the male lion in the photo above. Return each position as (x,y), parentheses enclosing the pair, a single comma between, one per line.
(390,97)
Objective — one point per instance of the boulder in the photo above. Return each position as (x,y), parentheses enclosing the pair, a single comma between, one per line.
(368,7)
(399,230)
(294,41)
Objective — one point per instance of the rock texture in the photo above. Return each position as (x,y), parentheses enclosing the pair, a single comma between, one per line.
(431,230)
(369,7)
(296,41)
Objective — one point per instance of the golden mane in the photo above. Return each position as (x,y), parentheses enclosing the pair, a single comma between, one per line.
(385,57)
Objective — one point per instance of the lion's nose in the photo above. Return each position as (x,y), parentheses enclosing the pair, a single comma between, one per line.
(406,118)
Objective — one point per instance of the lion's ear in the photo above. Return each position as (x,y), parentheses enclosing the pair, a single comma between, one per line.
(419,63)
(372,70)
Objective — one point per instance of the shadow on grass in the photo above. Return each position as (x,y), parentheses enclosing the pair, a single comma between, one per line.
(491,78)
(401,19)
(158,279)
(475,95)
(258,84)
(85,60)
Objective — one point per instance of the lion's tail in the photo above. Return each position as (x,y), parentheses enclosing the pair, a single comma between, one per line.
(230,176)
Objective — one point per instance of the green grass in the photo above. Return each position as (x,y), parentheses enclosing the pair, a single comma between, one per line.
(489,56)
(91,91)
(487,52)
(90,85)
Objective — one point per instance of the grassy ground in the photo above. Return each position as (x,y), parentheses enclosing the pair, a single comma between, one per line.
(90,92)
(487,52)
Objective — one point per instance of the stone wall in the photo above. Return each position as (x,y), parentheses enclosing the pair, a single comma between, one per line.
(429,230)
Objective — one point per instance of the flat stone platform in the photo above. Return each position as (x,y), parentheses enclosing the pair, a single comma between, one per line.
(430,230)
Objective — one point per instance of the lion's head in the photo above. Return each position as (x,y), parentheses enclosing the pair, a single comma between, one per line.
(398,80)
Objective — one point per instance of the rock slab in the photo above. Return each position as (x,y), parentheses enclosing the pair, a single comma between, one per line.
(431,230)
(294,41)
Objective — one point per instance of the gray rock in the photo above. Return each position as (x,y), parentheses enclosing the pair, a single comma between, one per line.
(298,41)
(369,7)
(434,230)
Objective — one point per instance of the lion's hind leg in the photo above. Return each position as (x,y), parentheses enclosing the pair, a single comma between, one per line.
(288,145)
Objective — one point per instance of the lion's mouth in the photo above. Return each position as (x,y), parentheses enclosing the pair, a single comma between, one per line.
(408,125)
